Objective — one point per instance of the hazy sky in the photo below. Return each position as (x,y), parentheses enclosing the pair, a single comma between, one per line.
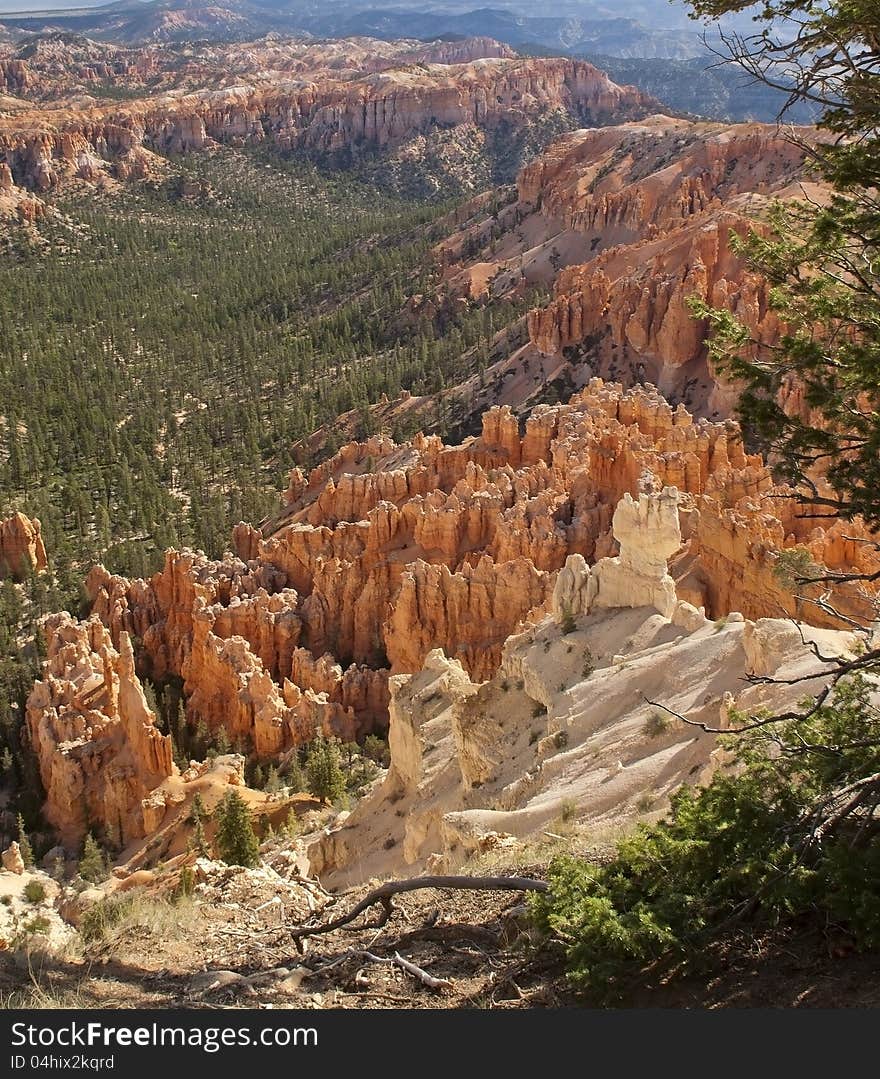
(46,5)
(618,6)
(52,5)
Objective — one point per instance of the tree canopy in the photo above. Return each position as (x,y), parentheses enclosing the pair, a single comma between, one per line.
(812,401)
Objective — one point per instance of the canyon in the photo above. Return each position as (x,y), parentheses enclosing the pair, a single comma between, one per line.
(306,98)
(627,225)
(484,600)
(386,555)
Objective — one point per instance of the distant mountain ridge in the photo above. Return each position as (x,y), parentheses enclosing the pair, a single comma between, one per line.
(128,21)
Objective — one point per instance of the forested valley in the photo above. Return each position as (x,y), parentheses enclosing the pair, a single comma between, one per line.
(163,350)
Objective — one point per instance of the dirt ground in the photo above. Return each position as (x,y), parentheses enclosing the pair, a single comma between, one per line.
(231,946)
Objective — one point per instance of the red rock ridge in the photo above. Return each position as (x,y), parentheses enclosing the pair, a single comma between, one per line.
(385,552)
(43,148)
(100,755)
(626,224)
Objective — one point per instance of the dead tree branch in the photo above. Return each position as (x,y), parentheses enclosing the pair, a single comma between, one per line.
(386,892)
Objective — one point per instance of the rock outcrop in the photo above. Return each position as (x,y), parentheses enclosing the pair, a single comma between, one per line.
(648,533)
(56,68)
(101,757)
(386,553)
(12,859)
(564,726)
(21,547)
(626,225)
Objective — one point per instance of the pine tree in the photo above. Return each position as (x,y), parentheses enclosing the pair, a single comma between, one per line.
(197,810)
(294,778)
(290,828)
(198,840)
(273,781)
(93,861)
(324,769)
(820,257)
(24,844)
(236,840)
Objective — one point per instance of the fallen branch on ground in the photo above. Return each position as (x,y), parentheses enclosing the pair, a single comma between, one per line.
(396,960)
(385,892)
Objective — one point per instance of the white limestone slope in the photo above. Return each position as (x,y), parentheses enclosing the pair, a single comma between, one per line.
(568,720)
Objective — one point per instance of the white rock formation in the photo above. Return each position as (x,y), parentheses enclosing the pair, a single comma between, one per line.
(571,593)
(12,859)
(649,533)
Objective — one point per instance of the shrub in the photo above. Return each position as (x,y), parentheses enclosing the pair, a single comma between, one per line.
(376,750)
(121,917)
(656,724)
(34,891)
(96,922)
(186,883)
(744,845)
(567,623)
(538,709)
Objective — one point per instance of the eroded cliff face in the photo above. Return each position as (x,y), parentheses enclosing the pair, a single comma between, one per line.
(387,553)
(626,225)
(43,148)
(57,67)
(569,720)
(21,545)
(100,754)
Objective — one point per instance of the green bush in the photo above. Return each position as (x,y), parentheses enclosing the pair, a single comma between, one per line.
(186,883)
(34,891)
(96,922)
(376,750)
(743,848)
(656,724)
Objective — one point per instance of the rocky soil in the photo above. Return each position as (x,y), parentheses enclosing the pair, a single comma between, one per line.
(229,946)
